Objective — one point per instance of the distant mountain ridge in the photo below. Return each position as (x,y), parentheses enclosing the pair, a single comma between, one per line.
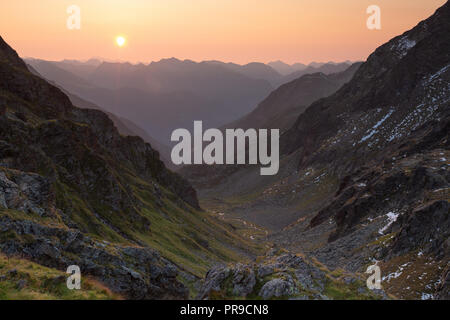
(164,95)
(280,109)
(284,69)
(154,96)
(326,68)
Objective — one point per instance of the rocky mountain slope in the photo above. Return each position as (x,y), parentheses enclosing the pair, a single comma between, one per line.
(280,109)
(364,172)
(73,191)
(124,126)
(253,70)
(282,275)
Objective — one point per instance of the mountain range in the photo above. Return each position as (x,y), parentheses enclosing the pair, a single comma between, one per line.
(363,177)
(164,95)
(363,172)
(280,109)
(171,94)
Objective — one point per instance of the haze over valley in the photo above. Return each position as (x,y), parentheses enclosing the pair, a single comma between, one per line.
(357,162)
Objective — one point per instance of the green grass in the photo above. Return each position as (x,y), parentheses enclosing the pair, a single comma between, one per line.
(41,283)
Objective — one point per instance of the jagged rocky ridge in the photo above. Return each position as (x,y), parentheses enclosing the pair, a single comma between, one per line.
(364,172)
(387,135)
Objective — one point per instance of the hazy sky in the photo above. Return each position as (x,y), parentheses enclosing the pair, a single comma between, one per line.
(229,30)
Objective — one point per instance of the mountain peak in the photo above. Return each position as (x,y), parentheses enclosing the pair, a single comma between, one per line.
(9,55)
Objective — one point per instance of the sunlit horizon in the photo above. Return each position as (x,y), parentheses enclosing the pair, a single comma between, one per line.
(229,31)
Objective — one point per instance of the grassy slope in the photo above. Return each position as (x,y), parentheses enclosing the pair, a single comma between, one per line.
(21,279)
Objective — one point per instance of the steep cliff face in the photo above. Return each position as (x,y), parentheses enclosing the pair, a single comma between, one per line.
(364,172)
(402,86)
(75,191)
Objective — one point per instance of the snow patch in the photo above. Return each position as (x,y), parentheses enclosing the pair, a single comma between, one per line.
(437,74)
(375,127)
(361,185)
(427,296)
(403,45)
(391,218)
(393,275)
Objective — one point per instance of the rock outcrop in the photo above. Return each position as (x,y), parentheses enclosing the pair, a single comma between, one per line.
(283,275)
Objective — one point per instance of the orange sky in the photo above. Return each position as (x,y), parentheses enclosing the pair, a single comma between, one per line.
(229,30)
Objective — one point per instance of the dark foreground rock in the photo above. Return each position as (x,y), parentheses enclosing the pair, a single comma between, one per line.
(283,276)
(73,191)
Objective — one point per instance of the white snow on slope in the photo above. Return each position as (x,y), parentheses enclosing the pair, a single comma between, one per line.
(375,127)
(402,47)
(436,75)
(391,218)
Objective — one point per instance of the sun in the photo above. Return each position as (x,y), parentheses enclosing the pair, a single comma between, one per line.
(120,41)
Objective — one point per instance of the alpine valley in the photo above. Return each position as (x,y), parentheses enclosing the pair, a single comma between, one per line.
(363,178)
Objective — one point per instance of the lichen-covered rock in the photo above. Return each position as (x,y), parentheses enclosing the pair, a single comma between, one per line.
(286,276)
(214,280)
(243,281)
(24,192)
(278,288)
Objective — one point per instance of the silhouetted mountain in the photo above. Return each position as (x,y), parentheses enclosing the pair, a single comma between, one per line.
(168,94)
(326,68)
(296,70)
(78,68)
(280,109)
(64,78)
(284,68)
(254,70)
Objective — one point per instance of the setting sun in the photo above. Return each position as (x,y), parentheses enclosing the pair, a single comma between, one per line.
(120,41)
